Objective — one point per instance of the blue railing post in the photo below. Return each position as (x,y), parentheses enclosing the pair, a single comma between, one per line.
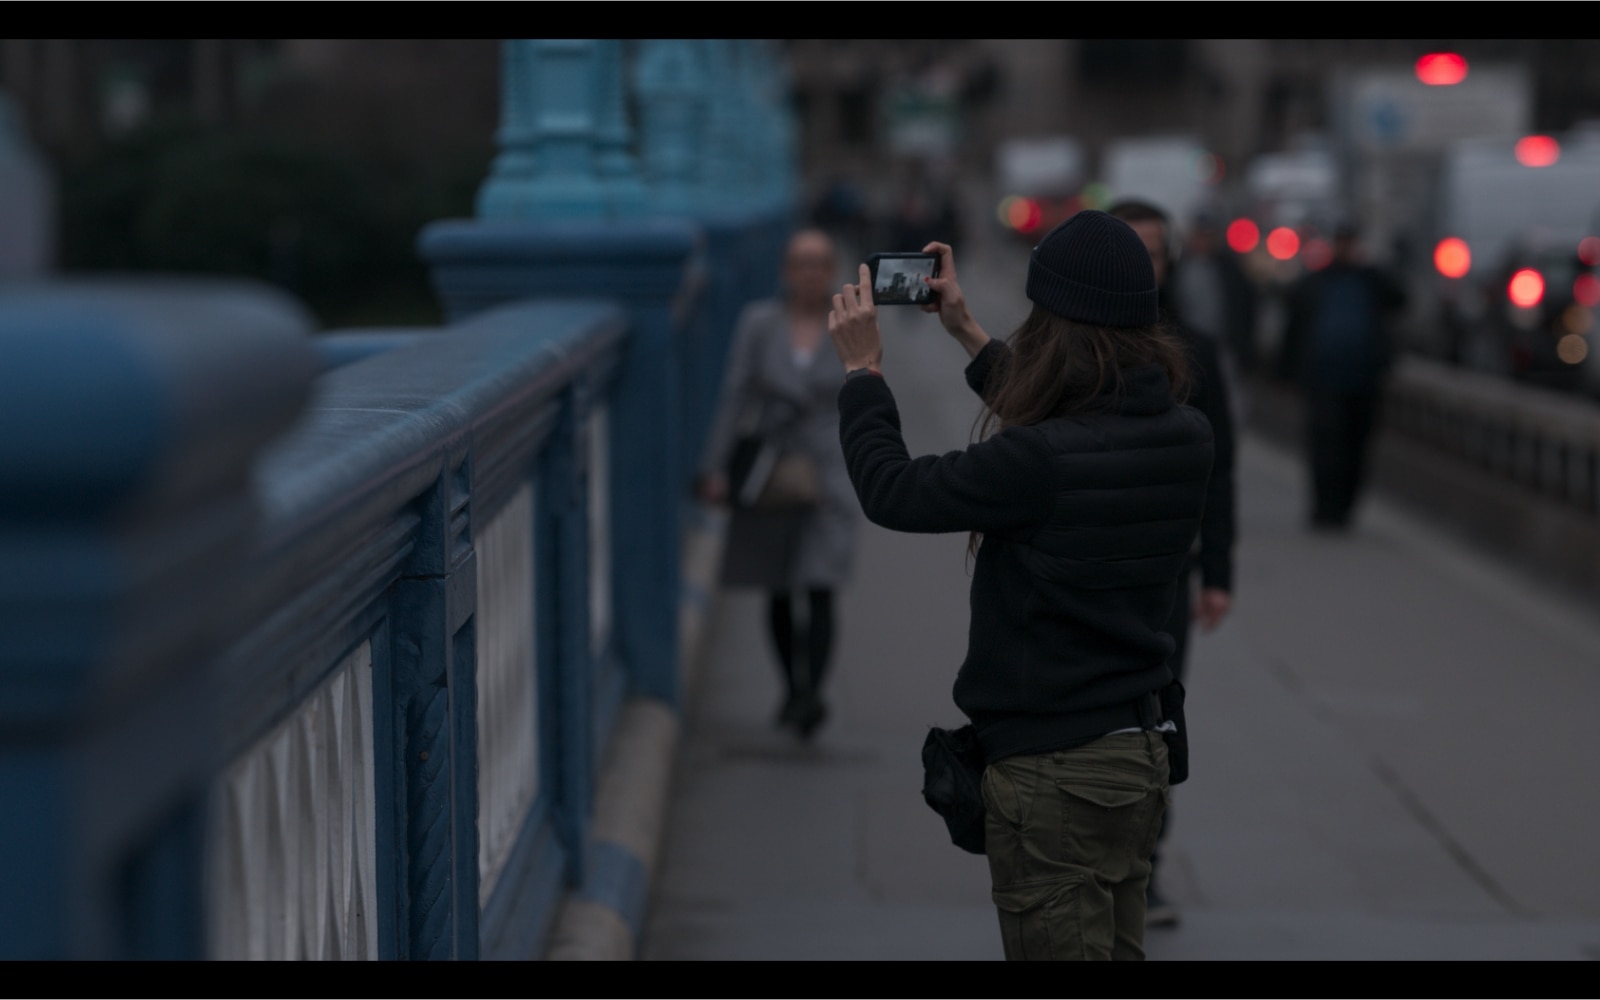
(550,128)
(745,231)
(132,421)
(670,82)
(531,245)
(432,699)
(768,105)
(788,139)
(640,264)
(754,132)
(670,86)
(564,603)
(558,218)
(614,161)
(723,179)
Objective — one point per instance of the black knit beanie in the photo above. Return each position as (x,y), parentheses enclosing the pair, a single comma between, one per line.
(1094,269)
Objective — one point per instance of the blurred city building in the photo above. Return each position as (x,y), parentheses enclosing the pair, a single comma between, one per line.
(75,94)
(859,98)
(309,163)
(902,140)
(1240,97)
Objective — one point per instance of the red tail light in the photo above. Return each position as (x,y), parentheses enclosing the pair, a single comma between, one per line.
(1586,290)
(1537,151)
(1526,287)
(1243,235)
(1024,214)
(1316,254)
(1452,257)
(1283,243)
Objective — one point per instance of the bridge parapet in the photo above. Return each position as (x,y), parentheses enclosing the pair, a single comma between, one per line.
(400,725)
(1513,469)
(350,695)
(1543,440)
(133,415)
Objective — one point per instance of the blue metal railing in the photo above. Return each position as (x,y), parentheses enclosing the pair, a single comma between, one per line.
(347,694)
(374,508)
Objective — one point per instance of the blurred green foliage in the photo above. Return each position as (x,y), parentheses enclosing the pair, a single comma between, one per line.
(333,227)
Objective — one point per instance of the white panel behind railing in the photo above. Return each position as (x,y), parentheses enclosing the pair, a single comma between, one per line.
(291,865)
(508,699)
(599,431)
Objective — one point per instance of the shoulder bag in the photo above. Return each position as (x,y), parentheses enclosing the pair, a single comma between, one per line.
(762,476)
(952,782)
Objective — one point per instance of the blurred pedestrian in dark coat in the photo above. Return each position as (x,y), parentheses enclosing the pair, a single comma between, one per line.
(1212,559)
(1337,344)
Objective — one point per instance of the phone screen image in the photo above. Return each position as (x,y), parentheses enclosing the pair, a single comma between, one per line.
(898,280)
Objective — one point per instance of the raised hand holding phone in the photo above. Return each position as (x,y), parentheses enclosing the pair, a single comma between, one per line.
(853,325)
(951,303)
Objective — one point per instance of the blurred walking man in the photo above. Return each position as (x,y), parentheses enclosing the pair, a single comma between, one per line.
(1212,558)
(1337,344)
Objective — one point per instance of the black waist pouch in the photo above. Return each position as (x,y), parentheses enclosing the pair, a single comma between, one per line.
(1178,739)
(952,776)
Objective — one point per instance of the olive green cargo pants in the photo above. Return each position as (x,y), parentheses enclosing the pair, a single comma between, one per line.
(1069,837)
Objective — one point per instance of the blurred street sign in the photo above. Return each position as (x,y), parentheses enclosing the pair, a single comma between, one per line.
(1294,188)
(1393,111)
(1046,165)
(1169,171)
(922,117)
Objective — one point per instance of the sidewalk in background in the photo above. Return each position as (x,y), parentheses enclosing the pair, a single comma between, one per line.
(1391,744)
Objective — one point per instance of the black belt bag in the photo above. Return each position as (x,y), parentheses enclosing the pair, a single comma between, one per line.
(952,782)
(1156,710)
(1177,737)
(953,762)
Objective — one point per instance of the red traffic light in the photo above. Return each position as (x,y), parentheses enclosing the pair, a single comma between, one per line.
(1441,69)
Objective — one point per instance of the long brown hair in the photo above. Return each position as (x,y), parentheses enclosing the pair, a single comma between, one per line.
(1059,366)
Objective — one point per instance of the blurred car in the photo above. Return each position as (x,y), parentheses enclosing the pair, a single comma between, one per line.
(1517,243)
(1176,173)
(1545,317)
(1038,181)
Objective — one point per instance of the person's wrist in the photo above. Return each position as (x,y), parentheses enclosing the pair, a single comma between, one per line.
(971,336)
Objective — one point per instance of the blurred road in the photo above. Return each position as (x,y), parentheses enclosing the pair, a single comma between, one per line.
(1392,743)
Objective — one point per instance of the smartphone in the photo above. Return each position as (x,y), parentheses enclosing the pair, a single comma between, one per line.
(897,278)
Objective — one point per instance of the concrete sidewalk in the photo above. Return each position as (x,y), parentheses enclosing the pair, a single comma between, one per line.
(1391,744)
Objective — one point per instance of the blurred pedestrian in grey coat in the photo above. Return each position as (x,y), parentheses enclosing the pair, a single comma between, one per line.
(782,383)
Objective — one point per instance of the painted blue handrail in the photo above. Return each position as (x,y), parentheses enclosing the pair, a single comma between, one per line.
(183,602)
(370,510)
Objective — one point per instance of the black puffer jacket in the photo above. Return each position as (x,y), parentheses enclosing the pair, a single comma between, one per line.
(1087,520)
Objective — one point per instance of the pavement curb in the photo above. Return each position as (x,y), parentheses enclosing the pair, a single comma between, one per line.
(603,920)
